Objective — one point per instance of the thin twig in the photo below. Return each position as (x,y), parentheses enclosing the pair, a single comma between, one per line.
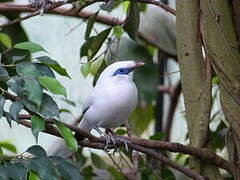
(58,4)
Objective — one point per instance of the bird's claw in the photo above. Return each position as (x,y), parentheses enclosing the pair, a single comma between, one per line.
(124,141)
(114,139)
(109,139)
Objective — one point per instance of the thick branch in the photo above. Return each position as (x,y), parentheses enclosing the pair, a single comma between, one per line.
(201,153)
(98,143)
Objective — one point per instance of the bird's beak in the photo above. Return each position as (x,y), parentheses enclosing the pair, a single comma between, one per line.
(139,64)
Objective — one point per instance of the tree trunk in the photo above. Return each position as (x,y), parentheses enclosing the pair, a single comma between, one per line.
(196,81)
(221,45)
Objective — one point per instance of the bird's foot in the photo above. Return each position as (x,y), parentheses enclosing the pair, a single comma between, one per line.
(124,141)
(109,139)
(117,138)
(41,5)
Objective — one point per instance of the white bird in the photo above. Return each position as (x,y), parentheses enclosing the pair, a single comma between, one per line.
(112,99)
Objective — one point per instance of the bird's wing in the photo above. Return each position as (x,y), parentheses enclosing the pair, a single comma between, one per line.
(89,101)
(87,105)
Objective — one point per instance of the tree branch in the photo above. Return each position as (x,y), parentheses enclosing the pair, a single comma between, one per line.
(5,8)
(98,143)
(172,107)
(36,12)
(84,14)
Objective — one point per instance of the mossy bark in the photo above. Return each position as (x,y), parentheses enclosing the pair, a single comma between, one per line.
(196,81)
(221,45)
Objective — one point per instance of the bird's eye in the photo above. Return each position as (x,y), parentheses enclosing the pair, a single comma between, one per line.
(121,70)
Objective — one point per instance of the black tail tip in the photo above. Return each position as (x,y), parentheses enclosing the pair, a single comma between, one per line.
(79,137)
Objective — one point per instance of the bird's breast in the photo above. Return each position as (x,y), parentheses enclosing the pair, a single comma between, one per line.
(114,103)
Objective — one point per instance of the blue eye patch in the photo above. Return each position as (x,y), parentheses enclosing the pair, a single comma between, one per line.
(122,71)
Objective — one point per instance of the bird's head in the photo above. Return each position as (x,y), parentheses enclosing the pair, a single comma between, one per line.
(120,70)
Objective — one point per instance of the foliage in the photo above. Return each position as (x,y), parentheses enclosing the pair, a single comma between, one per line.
(30,85)
(37,165)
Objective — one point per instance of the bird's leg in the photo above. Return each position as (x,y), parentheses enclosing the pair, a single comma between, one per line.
(112,135)
(107,137)
(109,131)
(124,141)
(121,139)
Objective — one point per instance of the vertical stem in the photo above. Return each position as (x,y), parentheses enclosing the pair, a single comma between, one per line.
(160,100)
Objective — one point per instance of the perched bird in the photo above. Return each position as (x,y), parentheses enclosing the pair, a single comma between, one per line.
(112,100)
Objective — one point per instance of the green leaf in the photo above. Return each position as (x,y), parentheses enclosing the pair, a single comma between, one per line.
(8,146)
(48,108)
(53,64)
(38,125)
(85,69)
(133,20)
(157,136)
(65,111)
(30,46)
(215,80)
(5,40)
(33,91)
(3,72)
(27,69)
(145,114)
(93,44)
(17,34)
(167,174)
(142,7)
(99,71)
(15,109)
(43,167)
(90,24)
(68,136)
(44,70)
(8,118)
(33,176)
(15,84)
(115,173)
(2,102)
(37,151)
(66,169)
(17,171)
(3,85)
(18,59)
(52,85)
(4,173)
(118,31)
(120,132)
(218,136)
(98,161)
(87,173)
(95,66)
